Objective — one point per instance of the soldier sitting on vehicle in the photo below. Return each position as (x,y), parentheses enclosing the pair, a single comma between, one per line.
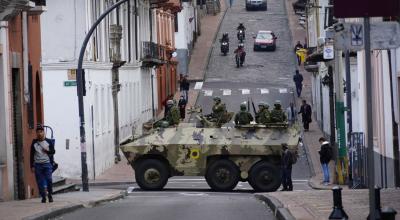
(218,110)
(262,116)
(243,117)
(277,114)
(173,114)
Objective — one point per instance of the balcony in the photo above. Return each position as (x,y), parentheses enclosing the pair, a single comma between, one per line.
(152,54)
(9,9)
(173,5)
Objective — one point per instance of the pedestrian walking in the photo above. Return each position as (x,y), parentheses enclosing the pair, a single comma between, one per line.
(305,112)
(297,47)
(182,107)
(287,162)
(291,113)
(298,81)
(185,85)
(42,150)
(325,155)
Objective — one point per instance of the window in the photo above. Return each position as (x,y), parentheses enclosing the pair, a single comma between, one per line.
(176,21)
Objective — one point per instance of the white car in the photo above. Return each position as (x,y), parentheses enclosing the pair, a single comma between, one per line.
(256,4)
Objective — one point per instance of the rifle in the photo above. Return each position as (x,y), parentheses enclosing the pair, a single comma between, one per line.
(248,104)
(254,107)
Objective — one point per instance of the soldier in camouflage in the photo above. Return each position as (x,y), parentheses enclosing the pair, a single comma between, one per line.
(262,116)
(173,114)
(277,114)
(218,110)
(243,117)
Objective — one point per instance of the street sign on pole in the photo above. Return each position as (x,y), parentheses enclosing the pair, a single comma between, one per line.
(362,8)
(329,52)
(384,35)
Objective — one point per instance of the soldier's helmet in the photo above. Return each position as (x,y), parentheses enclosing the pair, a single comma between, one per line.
(170,102)
(277,104)
(243,106)
(217,99)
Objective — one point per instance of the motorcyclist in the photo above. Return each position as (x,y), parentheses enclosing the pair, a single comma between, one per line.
(241,27)
(241,53)
(225,37)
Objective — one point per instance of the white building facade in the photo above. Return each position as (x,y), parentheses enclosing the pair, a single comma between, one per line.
(186,22)
(70,21)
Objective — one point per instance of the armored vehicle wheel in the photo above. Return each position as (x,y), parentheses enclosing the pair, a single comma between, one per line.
(151,174)
(264,177)
(222,175)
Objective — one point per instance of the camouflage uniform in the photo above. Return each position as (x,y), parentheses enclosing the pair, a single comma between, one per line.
(261,115)
(173,115)
(243,117)
(277,114)
(218,109)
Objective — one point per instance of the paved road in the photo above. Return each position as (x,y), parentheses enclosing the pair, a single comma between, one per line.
(266,76)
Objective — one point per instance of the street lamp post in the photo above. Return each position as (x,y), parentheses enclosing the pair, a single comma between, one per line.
(80,87)
(115,43)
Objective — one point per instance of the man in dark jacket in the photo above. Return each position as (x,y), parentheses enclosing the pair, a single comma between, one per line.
(185,85)
(325,155)
(42,151)
(182,105)
(287,162)
(305,112)
(298,81)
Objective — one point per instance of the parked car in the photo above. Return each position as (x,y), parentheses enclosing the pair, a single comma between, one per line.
(265,40)
(256,4)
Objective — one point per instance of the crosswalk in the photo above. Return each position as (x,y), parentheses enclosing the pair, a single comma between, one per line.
(229,92)
(240,91)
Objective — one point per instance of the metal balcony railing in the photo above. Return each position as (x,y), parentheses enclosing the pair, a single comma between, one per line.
(152,53)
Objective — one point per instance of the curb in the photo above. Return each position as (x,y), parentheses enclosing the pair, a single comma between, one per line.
(276,206)
(214,38)
(71,208)
(54,213)
(109,183)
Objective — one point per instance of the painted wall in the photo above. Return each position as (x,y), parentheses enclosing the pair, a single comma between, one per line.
(135,96)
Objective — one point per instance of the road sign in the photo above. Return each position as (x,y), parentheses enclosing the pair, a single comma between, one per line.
(329,53)
(384,35)
(356,35)
(362,8)
(69,83)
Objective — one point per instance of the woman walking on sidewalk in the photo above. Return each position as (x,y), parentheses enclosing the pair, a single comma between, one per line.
(42,149)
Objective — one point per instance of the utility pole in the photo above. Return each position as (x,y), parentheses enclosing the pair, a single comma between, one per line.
(115,43)
(80,88)
(370,144)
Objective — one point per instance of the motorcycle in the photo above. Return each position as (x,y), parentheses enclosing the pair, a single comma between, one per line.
(224,47)
(240,35)
(239,58)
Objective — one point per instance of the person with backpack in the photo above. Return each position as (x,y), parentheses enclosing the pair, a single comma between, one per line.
(287,162)
(325,155)
(41,159)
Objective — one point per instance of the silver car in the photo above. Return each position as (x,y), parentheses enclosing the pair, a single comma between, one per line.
(256,4)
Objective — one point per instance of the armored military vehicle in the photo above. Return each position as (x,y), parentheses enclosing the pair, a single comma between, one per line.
(223,155)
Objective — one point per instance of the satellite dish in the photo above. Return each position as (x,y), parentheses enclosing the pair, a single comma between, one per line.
(174,54)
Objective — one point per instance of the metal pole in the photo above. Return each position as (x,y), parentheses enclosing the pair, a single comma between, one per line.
(348,106)
(370,146)
(85,181)
(331,107)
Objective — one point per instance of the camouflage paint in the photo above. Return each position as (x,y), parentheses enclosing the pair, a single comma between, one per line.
(187,148)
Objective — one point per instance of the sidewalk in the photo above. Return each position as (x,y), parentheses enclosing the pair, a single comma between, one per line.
(311,137)
(317,204)
(63,203)
(202,49)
